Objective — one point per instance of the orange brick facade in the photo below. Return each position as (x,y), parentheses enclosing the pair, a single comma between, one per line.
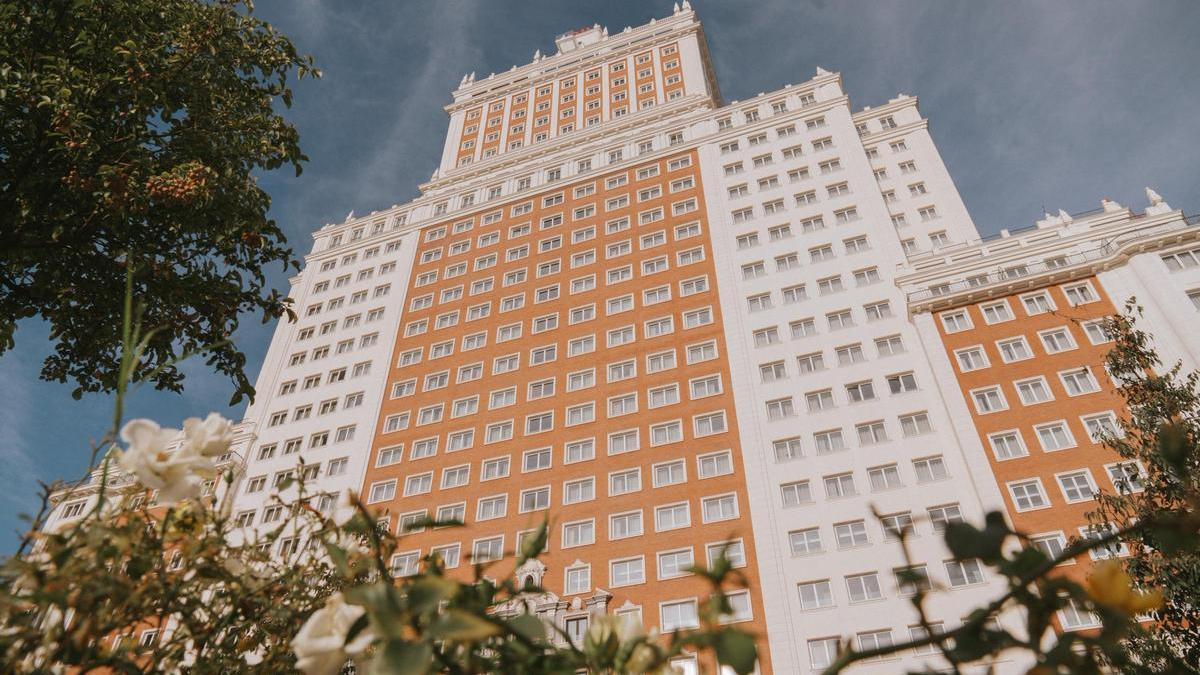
(1045,415)
(622,262)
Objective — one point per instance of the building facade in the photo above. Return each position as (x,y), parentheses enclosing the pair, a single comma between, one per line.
(677,327)
(1014,328)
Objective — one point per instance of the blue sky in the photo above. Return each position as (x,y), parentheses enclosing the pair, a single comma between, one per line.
(1032,104)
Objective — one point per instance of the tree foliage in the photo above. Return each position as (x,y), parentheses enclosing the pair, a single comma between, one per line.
(131,132)
(313,590)
(1161,437)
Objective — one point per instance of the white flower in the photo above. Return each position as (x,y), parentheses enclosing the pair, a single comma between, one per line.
(321,646)
(176,475)
(210,436)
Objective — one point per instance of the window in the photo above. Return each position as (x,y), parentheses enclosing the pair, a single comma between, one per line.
(670,473)
(930,469)
(941,516)
(672,517)
(884,477)
(1057,340)
(1055,436)
(1028,495)
(492,507)
(716,509)
(1097,332)
(1075,616)
(1077,486)
(710,424)
(627,572)
(816,595)
(805,542)
(871,433)
(487,550)
(996,312)
(1033,391)
(839,485)
(863,587)
(829,441)
(673,564)
(1037,303)
(1101,427)
(535,499)
(796,493)
(579,491)
(581,533)
(822,652)
(624,482)
(1126,477)
(1014,349)
(1078,382)
(579,451)
(889,345)
(896,524)
(1007,445)
(819,400)
(1052,545)
(971,358)
(1080,294)
(780,408)
(955,322)
(624,525)
(988,400)
(964,572)
(787,449)
(1112,549)
(678,615)
(858,392)
(381,492)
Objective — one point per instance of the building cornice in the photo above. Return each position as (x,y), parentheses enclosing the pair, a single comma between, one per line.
(1095,247)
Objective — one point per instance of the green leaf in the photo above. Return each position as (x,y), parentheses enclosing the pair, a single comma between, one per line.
(528,626)
(462,626)
(736,650)
(398,657)
(425,594)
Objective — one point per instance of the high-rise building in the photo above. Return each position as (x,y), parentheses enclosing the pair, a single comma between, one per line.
(1013,327)
(674,326)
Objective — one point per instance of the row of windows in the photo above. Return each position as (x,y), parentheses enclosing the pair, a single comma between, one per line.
(845,355)
(367,254)
(553,291)
(1013,349)
(581,212)
(1038,302)
(335,467)
(880,478)
(620,481)
(581,285)
(1077,486)
(867,587)
(614,337)
(1052,436)
(861,391)
(343,346)
(672,516)
(655,362)
(656,295)
(585,412)
(1077,381)
(582,235)
(626,440)
(355,298)
(853,534)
